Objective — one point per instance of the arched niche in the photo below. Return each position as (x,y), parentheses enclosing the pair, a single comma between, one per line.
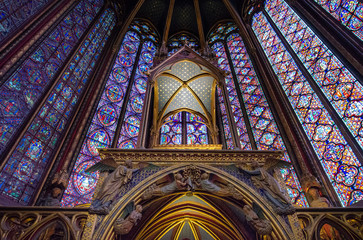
(281,230)
(329,227)
(55,226)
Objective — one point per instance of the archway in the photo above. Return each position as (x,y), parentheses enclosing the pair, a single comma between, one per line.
(192,211)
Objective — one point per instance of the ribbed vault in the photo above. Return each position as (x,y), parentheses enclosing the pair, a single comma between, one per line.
(189,216)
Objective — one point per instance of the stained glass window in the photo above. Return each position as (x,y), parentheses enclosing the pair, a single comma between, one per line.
(264,128)
(25,168)
(13,14)
(178,40)
(339,86)
(171,130)
(196,129)
(127,72)
(181,124)
(336,156)
(25,87)
(225,123)
(348,12)
(131,124)
(218,47)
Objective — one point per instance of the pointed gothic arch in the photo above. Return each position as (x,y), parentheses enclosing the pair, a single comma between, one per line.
(52,221)
(280,228)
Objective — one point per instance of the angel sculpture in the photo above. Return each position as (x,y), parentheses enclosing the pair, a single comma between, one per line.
(256,220)
(111,186)
(264,181)
(209,186)
(178,184)
(128,219)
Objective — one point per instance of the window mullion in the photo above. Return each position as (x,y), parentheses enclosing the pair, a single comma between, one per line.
(184,128)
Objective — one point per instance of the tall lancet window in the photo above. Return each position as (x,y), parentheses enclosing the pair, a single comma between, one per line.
(348,12)
(246,92)
(117,115)
(23,88)
(28,163)
(337,85)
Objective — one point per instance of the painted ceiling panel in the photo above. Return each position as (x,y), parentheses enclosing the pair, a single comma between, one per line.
(166,87)
(185,70)
(204,234)
(184,17)
(203,88)
(184,99)
(205,69)
(192,198)
(186,232)
(168,235)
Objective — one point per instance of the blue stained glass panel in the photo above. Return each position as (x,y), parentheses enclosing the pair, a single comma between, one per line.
(171,130)
(179,40)
(233,98)
(101,131)
(33,152)
(31,157)
(130,127)
(24,88)
(15,14)
(264,127)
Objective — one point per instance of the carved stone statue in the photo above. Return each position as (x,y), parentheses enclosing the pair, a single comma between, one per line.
(192,179)
(53,198)
(179,183)
(124,226)
(312,188)
(262,226)
(111,187)
(269,185)
(209,186)
(318,200)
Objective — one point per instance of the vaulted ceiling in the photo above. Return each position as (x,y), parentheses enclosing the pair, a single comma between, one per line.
(193,16)
(188,216)
(185,85)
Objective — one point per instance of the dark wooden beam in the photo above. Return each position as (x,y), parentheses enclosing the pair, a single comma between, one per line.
(168,21)
(200,24)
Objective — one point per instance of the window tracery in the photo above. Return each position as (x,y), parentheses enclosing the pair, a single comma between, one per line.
(183,128)
(340,87)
